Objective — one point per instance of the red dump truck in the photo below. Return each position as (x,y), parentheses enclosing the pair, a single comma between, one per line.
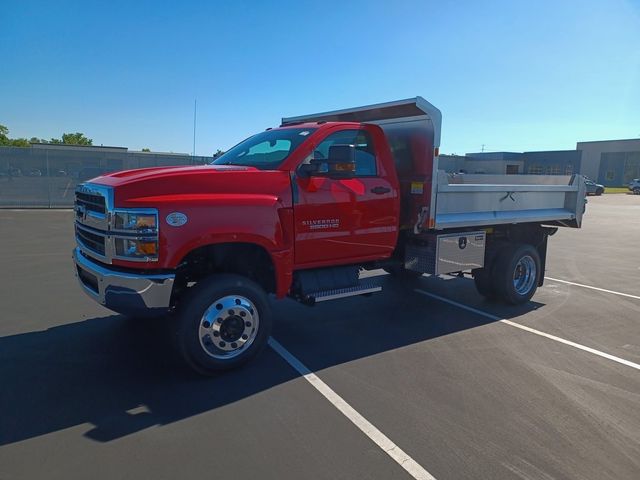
(299,211)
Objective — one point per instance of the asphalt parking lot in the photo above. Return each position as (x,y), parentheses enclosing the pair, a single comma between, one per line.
(87,393)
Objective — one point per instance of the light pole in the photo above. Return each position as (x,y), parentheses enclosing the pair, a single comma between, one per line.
(195,105)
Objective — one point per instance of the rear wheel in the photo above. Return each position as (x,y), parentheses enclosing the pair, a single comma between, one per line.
(516,273)
(636,190)
(223,323)
(484,282)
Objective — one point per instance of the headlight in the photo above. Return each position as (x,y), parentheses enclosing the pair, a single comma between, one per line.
(135,234)
(137,248)
(135,221)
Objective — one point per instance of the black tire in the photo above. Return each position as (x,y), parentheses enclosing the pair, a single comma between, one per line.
(599,192)
(504,272)
(484,283)
(216,294)
(636,191)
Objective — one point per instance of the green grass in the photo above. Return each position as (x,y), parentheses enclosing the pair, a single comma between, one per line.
(616,190)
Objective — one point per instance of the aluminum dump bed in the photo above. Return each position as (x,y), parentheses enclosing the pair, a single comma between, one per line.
(480,200)
(432,199)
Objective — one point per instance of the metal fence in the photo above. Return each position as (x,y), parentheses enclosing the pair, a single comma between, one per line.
(45,176)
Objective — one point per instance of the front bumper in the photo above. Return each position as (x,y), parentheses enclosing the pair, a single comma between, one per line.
(123,292)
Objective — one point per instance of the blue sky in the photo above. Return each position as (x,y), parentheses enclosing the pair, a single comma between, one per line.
(512,75)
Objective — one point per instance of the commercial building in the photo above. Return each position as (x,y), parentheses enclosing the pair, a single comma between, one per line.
(613,163)
(81,160)
(560,162)
(45,175)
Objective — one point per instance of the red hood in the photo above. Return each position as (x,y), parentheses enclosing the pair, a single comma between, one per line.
(125,177)
(147,186)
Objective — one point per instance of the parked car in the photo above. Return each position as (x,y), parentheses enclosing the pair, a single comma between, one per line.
(34,172)
(593,188)
(634,186)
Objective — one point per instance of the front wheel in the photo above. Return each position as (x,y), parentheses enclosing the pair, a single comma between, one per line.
(636,191)
(599,192)
(223,322)
(516,273)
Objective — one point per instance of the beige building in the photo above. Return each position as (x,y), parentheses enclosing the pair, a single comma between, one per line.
(611,162)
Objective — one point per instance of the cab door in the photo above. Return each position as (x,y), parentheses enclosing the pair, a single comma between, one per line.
(345,220)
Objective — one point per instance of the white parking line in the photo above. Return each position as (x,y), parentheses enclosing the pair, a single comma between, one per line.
(380,439)
(593,288)
(533,330)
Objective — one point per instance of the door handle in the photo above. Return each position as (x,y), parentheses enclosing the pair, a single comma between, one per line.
(380,190)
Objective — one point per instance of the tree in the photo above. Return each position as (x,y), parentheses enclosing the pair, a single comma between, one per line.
(67,139)
(19,142)
(4,135)
(218,153)
(146,150)
(76,139)
(5,141)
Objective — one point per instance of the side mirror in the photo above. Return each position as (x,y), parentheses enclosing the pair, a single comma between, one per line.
(342,161)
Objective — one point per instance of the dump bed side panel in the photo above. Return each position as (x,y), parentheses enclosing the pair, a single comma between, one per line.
(483,200)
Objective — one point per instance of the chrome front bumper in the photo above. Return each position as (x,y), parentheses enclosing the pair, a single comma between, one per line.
(122,292)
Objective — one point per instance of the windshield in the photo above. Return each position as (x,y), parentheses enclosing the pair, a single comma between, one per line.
(266,150)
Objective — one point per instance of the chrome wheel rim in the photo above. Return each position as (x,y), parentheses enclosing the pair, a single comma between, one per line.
(228,327)
(524,275)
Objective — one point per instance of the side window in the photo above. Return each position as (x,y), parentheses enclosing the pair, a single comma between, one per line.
(365,153)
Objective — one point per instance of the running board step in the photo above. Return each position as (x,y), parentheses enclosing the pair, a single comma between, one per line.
(363,288)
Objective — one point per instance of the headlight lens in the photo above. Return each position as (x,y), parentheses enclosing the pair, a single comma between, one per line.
(136,221)
(137,248)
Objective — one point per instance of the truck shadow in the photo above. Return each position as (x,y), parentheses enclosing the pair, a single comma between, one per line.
(120,376)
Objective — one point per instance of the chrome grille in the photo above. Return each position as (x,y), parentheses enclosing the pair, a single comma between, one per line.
(91,202)
(91,240)
(96,232)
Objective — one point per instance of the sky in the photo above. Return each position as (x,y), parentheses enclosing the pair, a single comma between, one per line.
(507,75)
